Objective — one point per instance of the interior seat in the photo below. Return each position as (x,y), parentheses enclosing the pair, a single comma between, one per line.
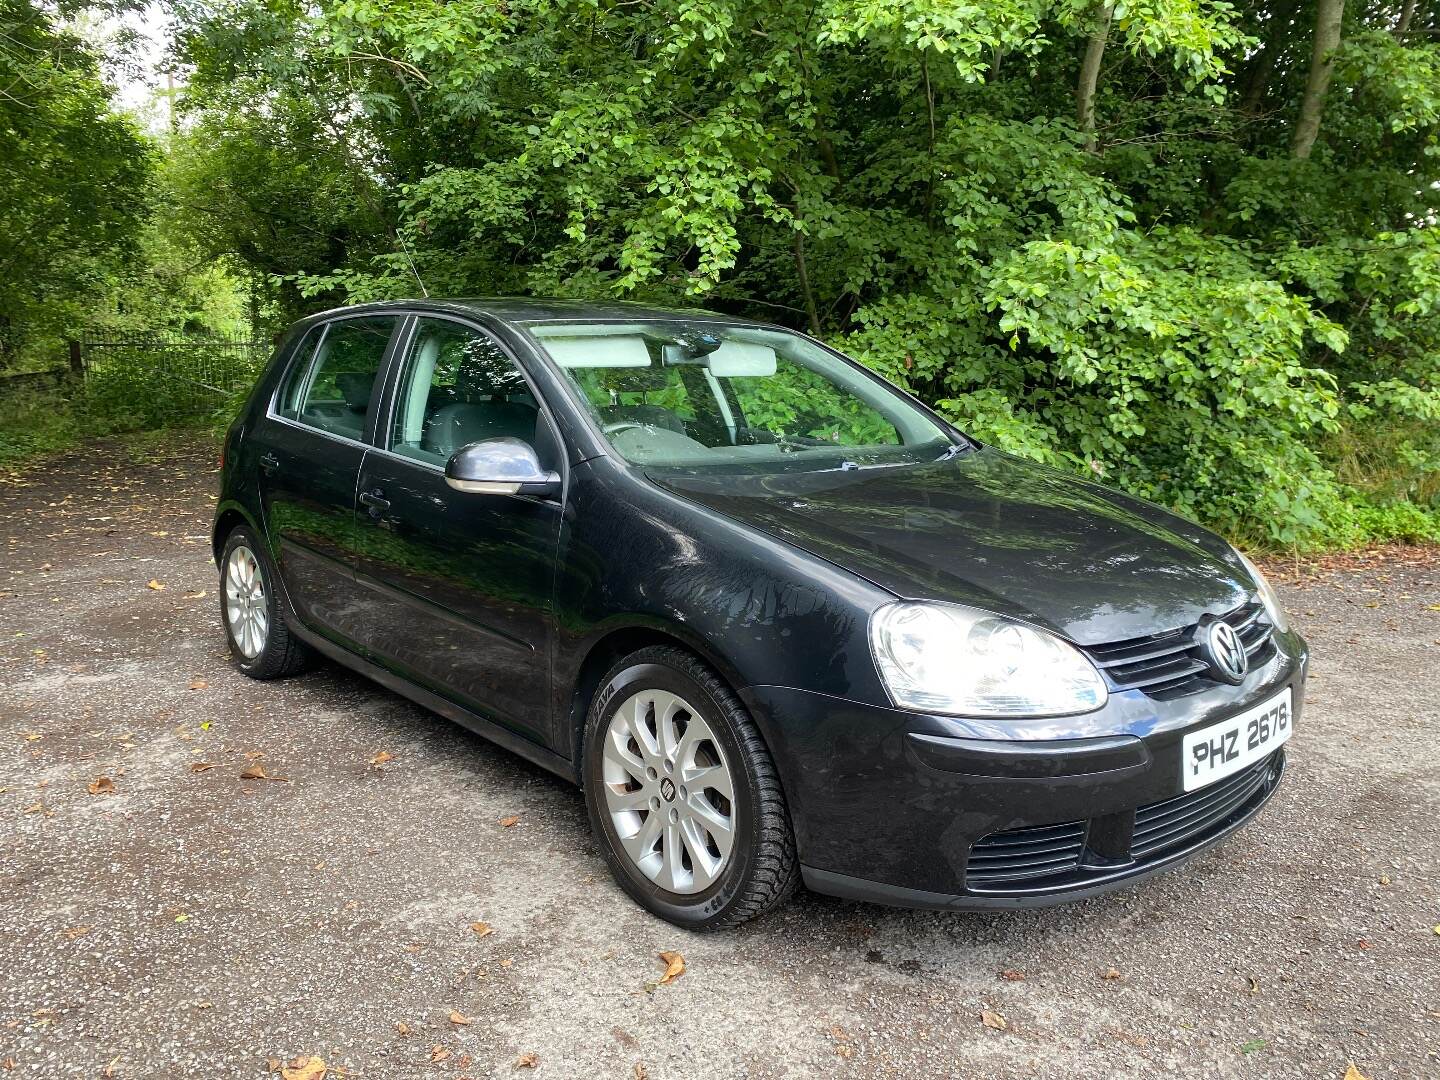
(463,422)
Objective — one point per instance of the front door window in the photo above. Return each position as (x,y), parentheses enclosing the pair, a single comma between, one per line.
(458,388)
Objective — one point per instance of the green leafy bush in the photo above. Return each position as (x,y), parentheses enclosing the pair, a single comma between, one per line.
(1139,268)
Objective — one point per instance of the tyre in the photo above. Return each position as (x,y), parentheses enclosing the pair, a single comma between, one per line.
(684,795)
(261,644)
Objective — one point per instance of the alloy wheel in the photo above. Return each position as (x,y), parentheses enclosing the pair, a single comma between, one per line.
(245,607)
(669,791)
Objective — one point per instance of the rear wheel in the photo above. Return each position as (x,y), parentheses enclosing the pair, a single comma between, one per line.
(684,795)
(261,644)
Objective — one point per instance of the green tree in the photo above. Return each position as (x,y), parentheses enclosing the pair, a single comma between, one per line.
(73,201)
(1184,245)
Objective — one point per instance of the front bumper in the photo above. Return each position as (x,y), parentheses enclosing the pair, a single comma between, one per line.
(925,811)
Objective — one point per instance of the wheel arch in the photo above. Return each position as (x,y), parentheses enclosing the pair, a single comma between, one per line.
(618,641)
(227,516)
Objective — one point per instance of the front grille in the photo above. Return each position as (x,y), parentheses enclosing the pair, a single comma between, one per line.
(1168,665)
(1162,826)
(1044,858)
(1018,854)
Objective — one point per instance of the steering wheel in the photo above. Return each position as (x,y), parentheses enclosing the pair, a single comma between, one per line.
(621,425)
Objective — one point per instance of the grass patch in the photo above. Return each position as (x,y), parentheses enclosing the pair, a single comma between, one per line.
(35,424)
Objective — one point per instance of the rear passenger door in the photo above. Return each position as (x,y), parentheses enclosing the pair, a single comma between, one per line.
(457,587)
(310,447)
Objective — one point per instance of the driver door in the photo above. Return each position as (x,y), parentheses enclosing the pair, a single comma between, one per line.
(459,586)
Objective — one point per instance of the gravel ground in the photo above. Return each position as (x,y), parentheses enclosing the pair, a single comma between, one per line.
(197,923)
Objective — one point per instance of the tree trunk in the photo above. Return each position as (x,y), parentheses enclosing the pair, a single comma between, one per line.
(1328,17)
(1407,12)
(1090,75)
(827,157)
(1262,65)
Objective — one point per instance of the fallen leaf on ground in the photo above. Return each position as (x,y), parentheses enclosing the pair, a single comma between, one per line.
(75,932)
(182,917)
(993,1020)
(438,1053)
(304,1068)
(256,772)
(1110,973)
(640,1073)
(402,1028)
(200,766)
(674,967)
(1352,1073)
(482,929)
(36,808)
(195,595)
(459,1019)
(1012,976)
(153,584)
(381,758)
(198,684)
(109,1069)
(527,1061)
(101,785)
(509,822)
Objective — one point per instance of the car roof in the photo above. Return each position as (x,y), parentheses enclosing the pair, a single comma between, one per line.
(538,309)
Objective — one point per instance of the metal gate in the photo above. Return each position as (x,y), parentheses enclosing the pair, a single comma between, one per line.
(184,374)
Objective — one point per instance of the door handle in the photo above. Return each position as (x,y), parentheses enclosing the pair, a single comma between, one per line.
(376,501)
(269,463)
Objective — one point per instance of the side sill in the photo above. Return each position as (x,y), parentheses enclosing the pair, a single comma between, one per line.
(488,729)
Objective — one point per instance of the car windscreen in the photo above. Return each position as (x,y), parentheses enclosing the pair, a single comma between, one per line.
(694,394)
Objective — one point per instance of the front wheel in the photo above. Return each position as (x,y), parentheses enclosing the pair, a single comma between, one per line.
(261,643)
(684,795)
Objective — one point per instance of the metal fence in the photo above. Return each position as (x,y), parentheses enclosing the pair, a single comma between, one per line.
(186,374)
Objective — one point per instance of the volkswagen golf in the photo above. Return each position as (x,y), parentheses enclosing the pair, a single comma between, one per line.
(778,620)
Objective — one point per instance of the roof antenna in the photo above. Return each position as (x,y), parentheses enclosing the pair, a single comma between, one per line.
(411,261)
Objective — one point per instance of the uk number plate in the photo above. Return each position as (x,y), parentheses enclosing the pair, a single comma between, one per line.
(1223,749)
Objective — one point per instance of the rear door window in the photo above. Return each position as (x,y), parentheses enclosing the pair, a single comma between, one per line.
(333,388)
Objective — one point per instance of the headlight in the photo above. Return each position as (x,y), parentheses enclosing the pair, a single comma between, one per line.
(1268,596)
(949,659)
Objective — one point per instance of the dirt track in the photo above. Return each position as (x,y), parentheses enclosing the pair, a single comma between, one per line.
(193,923)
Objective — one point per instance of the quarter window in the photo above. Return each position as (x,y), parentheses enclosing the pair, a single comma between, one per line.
(458,388)
(333,389)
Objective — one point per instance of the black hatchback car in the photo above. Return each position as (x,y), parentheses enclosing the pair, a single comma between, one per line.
(780,621)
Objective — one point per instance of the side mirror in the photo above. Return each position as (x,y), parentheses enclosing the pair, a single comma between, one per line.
(503,466)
